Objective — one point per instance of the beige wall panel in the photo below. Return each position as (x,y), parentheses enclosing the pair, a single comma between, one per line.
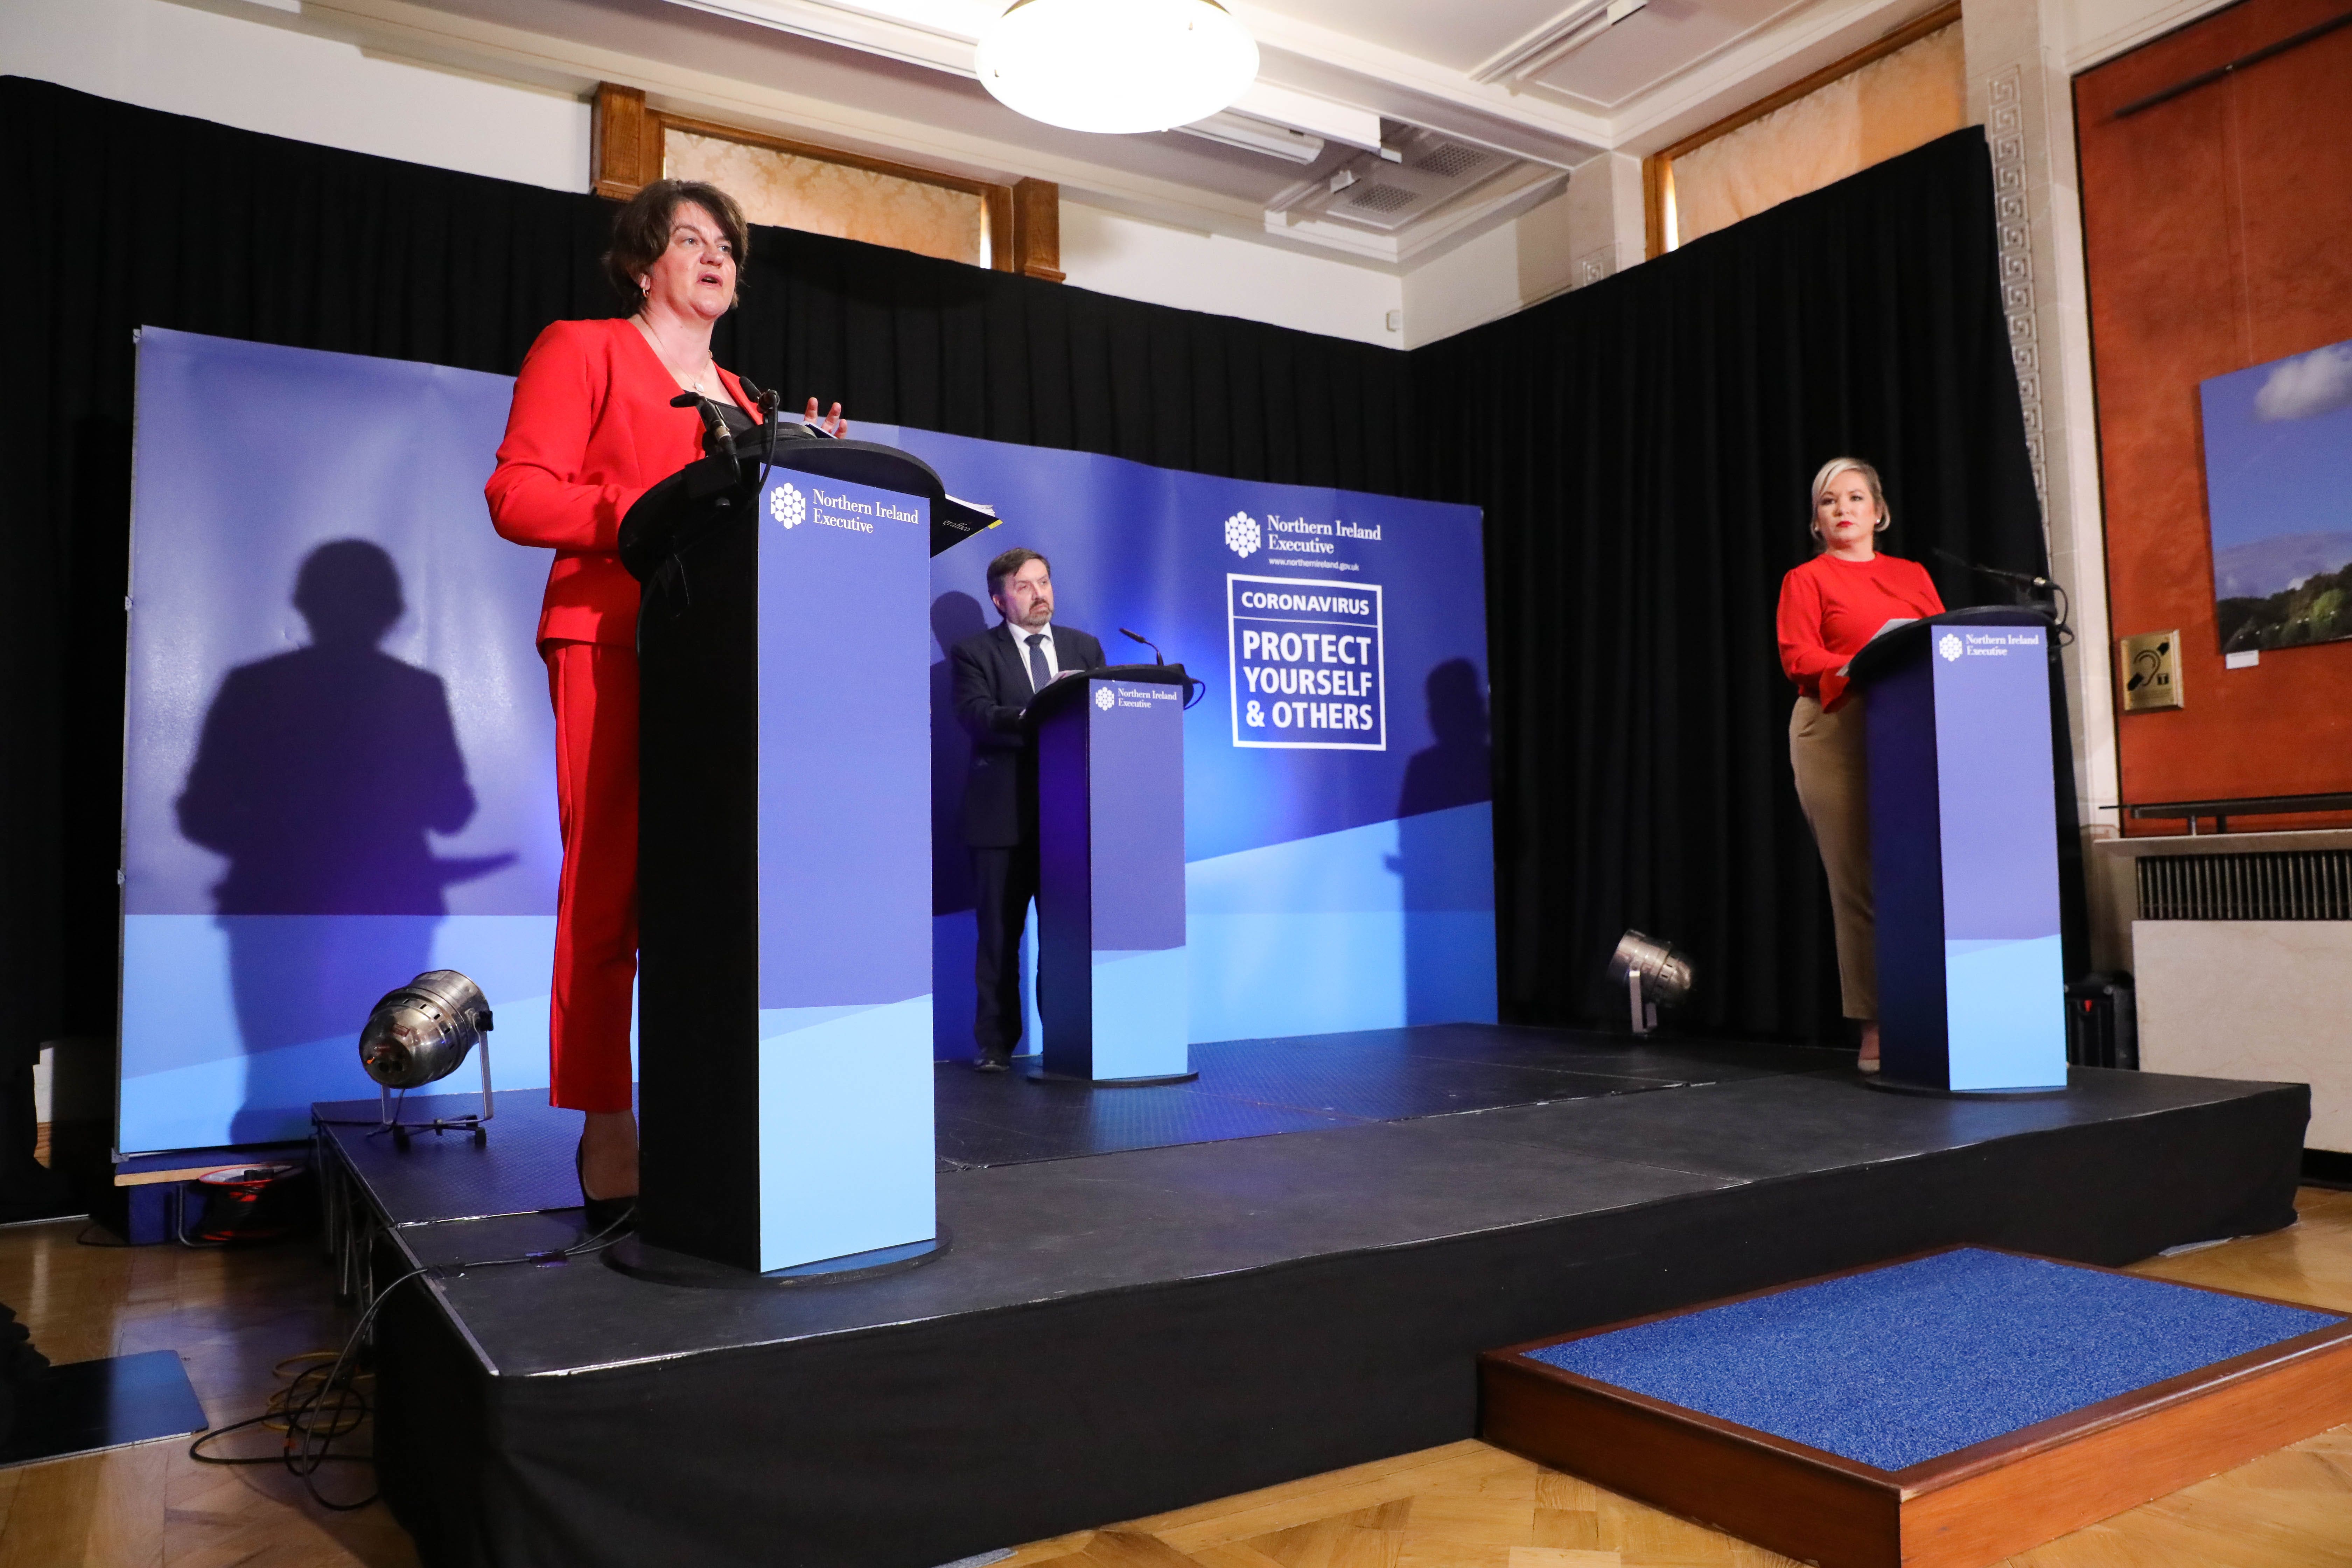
(2259,1000)
(819,198)
(1889,106)
(1912,96)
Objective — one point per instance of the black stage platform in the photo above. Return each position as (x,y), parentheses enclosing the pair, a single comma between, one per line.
(1160,1296)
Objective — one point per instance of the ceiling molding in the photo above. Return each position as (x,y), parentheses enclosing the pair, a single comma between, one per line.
(871,29)
(1455,223)
(1779,50)
(1544,45)
(1319,60)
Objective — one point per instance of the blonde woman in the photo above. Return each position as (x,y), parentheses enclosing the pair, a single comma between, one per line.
(1830,608)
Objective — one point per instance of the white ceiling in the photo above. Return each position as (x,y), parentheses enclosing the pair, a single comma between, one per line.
(894,78)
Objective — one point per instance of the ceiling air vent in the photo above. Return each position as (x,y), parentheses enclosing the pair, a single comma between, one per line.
(1416,174)
(1450,160)
(1380,199)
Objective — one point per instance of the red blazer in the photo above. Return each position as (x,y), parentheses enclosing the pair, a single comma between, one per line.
(590,430)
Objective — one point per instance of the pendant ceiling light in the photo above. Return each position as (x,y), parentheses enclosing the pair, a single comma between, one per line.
(1117,65)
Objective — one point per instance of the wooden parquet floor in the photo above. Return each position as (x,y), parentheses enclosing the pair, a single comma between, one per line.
(233,1316)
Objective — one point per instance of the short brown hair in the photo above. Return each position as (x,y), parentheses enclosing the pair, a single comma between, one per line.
(1009,563)
(641,232)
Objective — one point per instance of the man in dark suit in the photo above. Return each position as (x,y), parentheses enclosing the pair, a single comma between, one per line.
(996,673)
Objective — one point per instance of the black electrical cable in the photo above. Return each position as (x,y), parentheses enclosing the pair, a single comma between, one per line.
(313,1425)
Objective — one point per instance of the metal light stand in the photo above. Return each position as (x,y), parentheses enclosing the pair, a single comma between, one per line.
(1645,1012)
(472,1122)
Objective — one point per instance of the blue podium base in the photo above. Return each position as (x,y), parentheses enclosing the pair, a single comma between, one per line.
(1879,1080)
(1039,1075)
(634,1257)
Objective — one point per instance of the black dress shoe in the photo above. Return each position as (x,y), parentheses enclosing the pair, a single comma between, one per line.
(612,1215)
(993,1061)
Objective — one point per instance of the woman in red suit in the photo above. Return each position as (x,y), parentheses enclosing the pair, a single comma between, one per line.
(590,430)
(1830,608)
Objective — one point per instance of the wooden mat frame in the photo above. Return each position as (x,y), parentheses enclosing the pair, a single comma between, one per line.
(1963,1510)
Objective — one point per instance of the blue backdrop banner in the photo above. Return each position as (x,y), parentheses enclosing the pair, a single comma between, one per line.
(1338,836)
(339,768)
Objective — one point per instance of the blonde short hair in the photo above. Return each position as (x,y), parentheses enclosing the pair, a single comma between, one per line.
(1830,470)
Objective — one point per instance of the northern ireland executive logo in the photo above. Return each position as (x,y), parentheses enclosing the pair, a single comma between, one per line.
(788,506)
(1103,698)
(1241,535)
(1950,648)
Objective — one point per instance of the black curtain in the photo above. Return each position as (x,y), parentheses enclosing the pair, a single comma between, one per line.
(1643,449)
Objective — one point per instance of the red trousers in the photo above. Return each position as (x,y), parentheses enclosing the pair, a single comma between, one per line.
(593,686)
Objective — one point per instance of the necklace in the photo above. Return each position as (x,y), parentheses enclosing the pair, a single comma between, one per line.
(700,381)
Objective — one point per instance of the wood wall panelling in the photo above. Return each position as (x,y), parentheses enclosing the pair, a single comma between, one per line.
(627,153)
(623,143)
(1037,230)
(2216,237)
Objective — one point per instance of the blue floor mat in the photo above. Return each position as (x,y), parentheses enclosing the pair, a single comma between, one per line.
(1901,1365)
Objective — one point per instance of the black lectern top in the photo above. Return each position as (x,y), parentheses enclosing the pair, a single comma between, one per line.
(719,487)
(1890,650)
(1054,699)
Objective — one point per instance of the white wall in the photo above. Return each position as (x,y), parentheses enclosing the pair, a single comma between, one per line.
(1591,230)
(258,77)
(1474,282)
(1113,253)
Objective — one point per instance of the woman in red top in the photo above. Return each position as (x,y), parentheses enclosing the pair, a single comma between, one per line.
(590,430)
(1830,608)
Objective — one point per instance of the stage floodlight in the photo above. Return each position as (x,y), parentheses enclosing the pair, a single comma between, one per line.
(421,1033)
(1653,975)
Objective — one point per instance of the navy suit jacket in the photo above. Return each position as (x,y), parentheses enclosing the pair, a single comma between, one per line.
(991,687)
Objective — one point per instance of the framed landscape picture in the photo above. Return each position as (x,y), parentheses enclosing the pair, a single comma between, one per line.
(2278,500)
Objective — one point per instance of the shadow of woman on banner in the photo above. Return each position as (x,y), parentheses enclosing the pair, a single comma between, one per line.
(1446,863)
(319,774)
(954,616)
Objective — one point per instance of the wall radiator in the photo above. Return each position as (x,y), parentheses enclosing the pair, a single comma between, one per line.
(2243,965)
(2298,885)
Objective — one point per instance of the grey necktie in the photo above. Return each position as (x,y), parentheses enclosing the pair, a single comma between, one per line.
(1039,676)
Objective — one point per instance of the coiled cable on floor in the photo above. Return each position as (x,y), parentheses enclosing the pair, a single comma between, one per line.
(313,1414)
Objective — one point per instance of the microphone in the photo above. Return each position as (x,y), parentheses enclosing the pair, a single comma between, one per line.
(1157,656)
(714,428)
(2026,579)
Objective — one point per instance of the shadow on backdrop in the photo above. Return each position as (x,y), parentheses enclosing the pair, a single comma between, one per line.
(319,774)
(1446,865)
(954,616)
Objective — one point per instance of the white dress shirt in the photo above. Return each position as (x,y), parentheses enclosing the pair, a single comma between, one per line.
(1021,636)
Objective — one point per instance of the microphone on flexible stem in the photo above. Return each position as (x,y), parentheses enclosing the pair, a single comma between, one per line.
(2024,579)
(714,428)
(1157,656)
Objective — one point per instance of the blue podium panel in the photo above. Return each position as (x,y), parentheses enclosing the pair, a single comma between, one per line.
(1113,984)
(845,1157)
(784,881)
(1964,854)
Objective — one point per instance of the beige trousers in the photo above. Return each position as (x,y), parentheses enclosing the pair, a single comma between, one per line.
(1833,786)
